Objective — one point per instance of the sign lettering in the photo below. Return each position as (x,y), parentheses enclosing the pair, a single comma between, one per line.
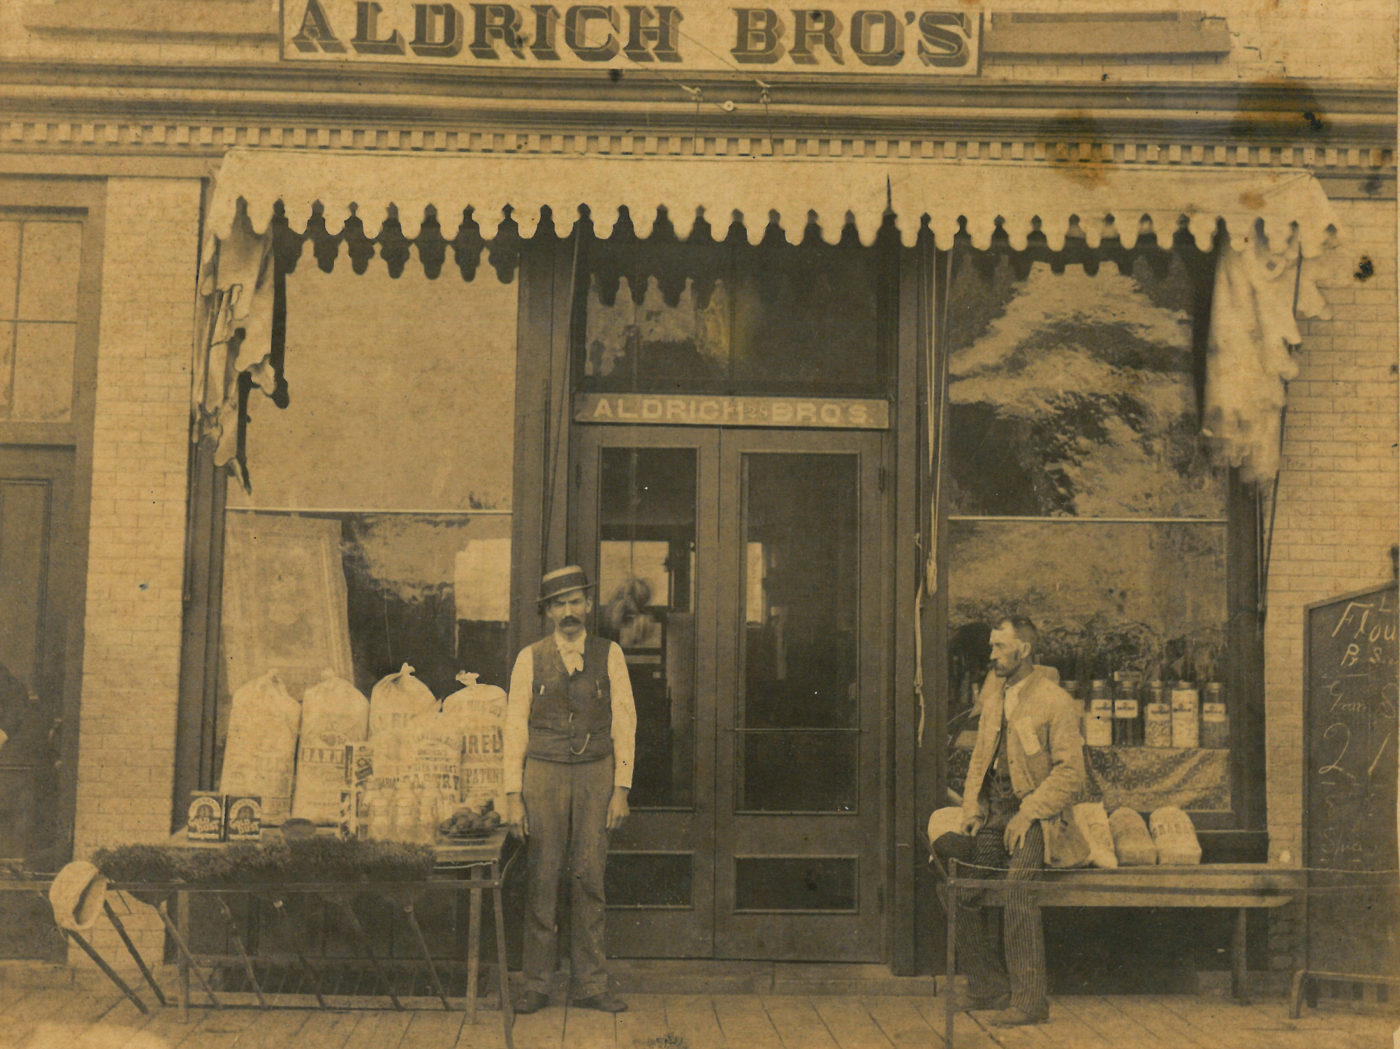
(706,410)
(843,37)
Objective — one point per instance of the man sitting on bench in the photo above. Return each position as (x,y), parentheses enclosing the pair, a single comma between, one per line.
(1026,768)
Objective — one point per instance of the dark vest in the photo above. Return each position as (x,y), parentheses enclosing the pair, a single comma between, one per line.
(570,714)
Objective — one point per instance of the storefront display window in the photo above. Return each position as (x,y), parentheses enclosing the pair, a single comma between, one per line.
(377,531)
(1080,492)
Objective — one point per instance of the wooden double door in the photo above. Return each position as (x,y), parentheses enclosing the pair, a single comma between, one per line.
(741,571)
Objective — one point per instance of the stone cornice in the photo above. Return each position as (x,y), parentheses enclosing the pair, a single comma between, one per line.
(203,111)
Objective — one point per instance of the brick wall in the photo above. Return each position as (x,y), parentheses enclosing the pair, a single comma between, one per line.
(1339,496)
(131,654)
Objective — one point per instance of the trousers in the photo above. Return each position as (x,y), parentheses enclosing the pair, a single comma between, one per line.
(567,809)
(1024,971)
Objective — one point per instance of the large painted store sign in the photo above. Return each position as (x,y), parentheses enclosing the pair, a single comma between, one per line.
(703,35)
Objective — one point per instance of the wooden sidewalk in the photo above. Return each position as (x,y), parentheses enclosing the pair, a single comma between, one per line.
(75,1018)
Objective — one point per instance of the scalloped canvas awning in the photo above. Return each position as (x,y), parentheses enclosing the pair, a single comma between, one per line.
(1108,199)
(1275,219)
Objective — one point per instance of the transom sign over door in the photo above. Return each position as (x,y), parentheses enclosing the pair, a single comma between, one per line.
(738,569)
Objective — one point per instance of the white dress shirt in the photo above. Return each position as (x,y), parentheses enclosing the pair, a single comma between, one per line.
(516,734)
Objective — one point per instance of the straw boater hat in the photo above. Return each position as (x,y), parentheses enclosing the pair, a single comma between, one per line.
(562,581)
(77,894)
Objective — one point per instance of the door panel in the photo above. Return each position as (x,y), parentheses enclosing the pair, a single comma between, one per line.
(35,601)
(800,670)
(755,650)
(646,532)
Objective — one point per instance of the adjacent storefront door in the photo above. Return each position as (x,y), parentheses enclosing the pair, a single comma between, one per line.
(740,571)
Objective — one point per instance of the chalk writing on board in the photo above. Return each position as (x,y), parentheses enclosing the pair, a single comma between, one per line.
(1350,730)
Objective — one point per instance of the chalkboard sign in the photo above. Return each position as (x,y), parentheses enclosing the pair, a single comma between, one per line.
(1349,798)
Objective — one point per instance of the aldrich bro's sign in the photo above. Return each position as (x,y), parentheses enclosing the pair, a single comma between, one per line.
(846,36)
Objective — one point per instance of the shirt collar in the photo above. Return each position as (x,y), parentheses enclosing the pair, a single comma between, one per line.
(565,645)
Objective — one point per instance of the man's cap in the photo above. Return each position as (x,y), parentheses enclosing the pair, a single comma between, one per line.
(562,581)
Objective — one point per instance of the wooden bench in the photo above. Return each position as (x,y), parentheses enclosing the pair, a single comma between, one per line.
(1235,886)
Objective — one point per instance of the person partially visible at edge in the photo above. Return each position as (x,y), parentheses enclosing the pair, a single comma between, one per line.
(569,741)
(1026,768)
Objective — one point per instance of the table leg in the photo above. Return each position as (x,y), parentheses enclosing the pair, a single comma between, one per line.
(427,954)
(227,915)
(187,962)
(1238,958)
(182,913)
(131,950)
(358,931)
(279,905)
(473,944)
(502,973)
(951,955)
(107,970)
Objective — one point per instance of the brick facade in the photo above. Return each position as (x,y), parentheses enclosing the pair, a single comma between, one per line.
(1338,502)
(131,655)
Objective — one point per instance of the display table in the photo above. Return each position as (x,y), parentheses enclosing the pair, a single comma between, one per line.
(1237,886)
(276,870)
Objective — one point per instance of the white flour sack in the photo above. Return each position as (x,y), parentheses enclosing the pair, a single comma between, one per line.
(431,754)
(334,713)
(260,755)
(1174,836)
(480,712)
(396,700)
(1131,841)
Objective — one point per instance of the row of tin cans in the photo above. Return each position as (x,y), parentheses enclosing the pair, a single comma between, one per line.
(224,817)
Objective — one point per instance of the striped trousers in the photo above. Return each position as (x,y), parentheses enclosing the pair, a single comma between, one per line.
(1024,971)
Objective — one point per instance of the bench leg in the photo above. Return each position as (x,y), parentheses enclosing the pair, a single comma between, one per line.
(1239,959)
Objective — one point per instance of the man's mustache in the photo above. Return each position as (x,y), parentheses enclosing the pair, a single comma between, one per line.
(570,621)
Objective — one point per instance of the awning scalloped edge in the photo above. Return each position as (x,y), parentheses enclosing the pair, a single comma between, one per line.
(1094,203)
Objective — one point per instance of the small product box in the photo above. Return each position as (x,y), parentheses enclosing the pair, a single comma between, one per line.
(205,821)
(244,819)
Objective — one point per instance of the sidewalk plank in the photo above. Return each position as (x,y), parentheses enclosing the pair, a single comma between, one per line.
(379,1029)
(274,1029)
(901,1022)
(745,1022)
(589,1029)
(1110,1022)
(439,1028)
(967,1032)
(328,1030)
(644,1020)
(850,1023)
(1152,1013)
(692,1017)
(797,1022)
(65,1010)
(541,1030)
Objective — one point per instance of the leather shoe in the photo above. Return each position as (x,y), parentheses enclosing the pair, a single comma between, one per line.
(604,1003)
(1013,1017)
(966,1003)
(530,1002)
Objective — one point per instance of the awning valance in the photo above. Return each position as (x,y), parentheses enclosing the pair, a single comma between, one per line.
(1275,218)
(1092,200)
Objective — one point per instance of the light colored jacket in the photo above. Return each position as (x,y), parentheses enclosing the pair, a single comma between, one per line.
(1045,756)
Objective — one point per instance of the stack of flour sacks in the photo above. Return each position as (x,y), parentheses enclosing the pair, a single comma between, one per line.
(1123,839)
(391,767)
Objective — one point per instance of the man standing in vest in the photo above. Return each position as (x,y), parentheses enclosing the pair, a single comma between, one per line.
(569,741)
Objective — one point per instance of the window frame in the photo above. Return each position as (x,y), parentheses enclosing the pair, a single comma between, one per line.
(1239,835)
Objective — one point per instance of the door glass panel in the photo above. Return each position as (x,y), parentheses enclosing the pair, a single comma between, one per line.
(798,715)
(646,557)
